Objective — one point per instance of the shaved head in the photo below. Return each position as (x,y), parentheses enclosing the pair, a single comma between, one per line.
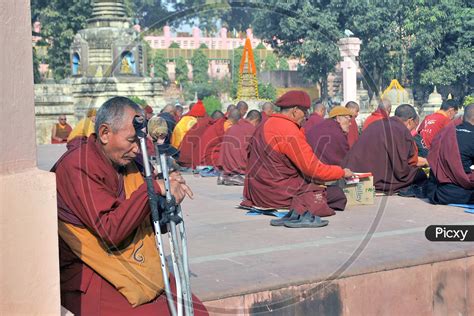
(234,116)
(230,107)
(385,105)
(242,107)
(353,107)
(268,108)
(469,114)
(406,112)
(319,108)
(217,115)
(254,116)
(169,108)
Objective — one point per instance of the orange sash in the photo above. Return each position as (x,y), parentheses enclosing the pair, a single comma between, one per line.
(134,270)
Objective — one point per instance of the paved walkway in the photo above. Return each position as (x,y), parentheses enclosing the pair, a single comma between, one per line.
(232,253)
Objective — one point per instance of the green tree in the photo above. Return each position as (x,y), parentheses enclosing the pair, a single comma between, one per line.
(159,63)
(283,64)
(266,91)
(174,45)
(270,62)
(200,66)
(36,73)
(211,103)
(181,70)
(60,20)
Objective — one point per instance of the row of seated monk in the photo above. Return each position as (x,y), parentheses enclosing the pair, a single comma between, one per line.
(284,159)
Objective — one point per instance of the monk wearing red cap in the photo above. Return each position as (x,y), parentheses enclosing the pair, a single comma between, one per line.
(283,171)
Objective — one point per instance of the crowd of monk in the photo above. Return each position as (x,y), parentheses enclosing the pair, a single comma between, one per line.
(283,156)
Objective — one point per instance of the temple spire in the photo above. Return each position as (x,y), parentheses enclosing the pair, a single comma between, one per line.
(108,13)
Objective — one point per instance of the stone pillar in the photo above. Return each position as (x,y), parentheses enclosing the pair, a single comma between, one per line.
(349,48)
(29,263)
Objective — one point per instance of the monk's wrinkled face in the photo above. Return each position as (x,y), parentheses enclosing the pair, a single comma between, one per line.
(121,145)
(344,121)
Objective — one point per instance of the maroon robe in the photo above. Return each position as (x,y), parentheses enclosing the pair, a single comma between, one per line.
(91,194)
(445,160)
(313,120)
(353,134)
(385,149)
(189,148)
(211,143)
(328,141)
(278,156)
(234,148)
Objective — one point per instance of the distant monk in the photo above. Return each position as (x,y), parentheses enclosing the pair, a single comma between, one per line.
(234,149)
(179,112)
(387,150)
(451,159)
(191,144)
(329,138)
(267,109)
(211,139)
(228,123)
(353,134)
(433,124)
(60,131)
(243,107)
(283,171)
(382,112)
(186,122)
(319,111)
(84,127)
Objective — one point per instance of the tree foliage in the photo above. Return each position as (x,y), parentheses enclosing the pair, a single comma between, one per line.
(212,103)
(270,62)
(200,66)
(283,64)
(181,70)
(159,63)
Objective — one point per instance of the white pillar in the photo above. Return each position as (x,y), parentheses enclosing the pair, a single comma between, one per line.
(349,48)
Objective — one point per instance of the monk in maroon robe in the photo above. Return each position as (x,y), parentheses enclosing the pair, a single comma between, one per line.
(267,109)
(385,149)
(211,139)
(383,112)
(91,198)
(451,157)
(234,150)
(353,134)
(329,138)
(319,111)
(283,171)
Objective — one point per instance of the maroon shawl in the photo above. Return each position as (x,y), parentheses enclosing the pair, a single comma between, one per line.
(189,148)
(313,120)
(384,149)
(353,134)
(234,154)
(445,160)
(211,143)
(328,142)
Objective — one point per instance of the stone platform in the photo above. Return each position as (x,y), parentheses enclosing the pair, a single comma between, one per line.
(369,260)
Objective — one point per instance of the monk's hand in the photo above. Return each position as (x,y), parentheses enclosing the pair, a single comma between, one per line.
(348,173)
(179,189)
(422,162)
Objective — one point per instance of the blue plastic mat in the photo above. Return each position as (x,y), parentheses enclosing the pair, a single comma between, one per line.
(253,211)
(468,206)
(471,211)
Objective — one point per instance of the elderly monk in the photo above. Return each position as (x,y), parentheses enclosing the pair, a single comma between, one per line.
(329,138)
(319,112)
(186,122)
(211,139)
(433,124)
(383,112)
(234,149)
(353,134)
(451,158)
(60,131)
(283,171)
(84,127)
(191,144)
(267,109)
(387,150)
(104,222)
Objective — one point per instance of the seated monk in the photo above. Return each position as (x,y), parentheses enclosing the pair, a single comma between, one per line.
(382,112)
(186,122)
(433,124)
(451,158)
(319,111)
(211,139)
(353,134)
(109,264)
(283,171)
(387,150)
(60,131)
(329,138)
(234,149)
